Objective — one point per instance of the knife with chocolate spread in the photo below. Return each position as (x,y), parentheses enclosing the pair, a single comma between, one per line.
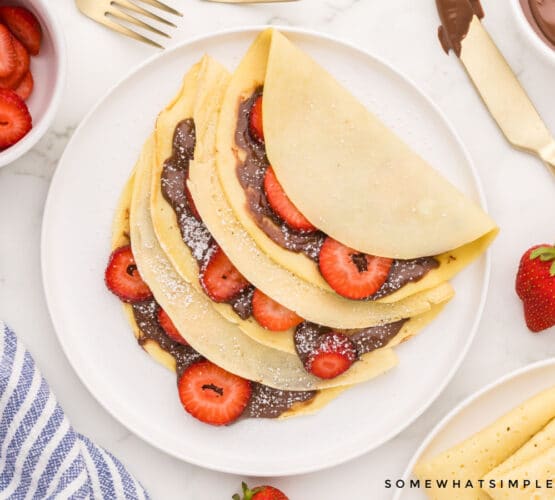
(491,74)
(456,16)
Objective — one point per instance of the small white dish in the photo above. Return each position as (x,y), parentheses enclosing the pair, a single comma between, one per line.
(49,72)
(476,412)
(142,395)
(533,37)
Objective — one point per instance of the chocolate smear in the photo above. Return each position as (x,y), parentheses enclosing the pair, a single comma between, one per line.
(456,16)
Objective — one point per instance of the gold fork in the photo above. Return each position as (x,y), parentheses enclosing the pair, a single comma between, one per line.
(115,14)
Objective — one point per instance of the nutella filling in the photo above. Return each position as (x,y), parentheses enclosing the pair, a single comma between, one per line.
(199,240)
(251,173)
(145,314)
(455,17)
(265,402)
(541,16)
(193,231)
(307,337)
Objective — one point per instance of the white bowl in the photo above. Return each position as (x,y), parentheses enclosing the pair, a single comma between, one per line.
(530,34)
(49,72)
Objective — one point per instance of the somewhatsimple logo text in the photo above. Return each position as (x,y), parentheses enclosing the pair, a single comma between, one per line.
(427,484)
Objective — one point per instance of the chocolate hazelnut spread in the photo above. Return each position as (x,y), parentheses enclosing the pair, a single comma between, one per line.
(199,240)
(456,16)
(403,272)
(366,340)
(541,16)
(265,402)
(250,173)
(193,231)
(145,315)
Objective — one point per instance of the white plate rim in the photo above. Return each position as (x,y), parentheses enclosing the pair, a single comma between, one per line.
(485,280)
(469,400)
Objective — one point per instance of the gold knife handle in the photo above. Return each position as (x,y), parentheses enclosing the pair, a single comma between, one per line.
(547,154)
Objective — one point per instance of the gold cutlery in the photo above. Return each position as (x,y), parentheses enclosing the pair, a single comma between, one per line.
(493,78)
(119,15)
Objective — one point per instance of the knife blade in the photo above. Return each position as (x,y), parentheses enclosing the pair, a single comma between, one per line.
(504,96)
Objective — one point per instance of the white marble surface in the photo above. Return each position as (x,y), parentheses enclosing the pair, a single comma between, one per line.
(518,189)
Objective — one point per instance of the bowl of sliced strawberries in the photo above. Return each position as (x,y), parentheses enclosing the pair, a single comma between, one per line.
(32,75)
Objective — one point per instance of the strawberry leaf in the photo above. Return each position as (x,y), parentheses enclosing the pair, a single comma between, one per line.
(552,270)
(545,254)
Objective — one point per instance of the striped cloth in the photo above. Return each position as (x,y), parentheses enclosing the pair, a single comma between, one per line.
(41,456)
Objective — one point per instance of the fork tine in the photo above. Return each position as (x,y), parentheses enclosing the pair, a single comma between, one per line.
(163,6)
(139,10)
(137,22)
(130,33)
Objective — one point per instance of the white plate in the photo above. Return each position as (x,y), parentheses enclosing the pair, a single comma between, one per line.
(141,394)
(479,410)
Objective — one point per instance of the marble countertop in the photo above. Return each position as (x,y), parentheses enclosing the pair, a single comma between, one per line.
(402,32)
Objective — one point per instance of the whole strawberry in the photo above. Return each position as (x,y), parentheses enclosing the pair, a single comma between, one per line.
(535,285)
(260,493)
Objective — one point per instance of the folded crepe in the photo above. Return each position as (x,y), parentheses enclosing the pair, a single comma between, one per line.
(536,471)
(200,98)
(482,453)
(205,329)
(120,237)
(535,461)
(346,172)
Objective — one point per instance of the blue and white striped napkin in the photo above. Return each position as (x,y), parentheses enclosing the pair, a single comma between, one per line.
(41,456)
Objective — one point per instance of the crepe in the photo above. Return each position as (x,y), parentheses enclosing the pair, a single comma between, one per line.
(120,237)
(198,102)
(202,101)
(210,202)
(534,461)
(483,452)
(345,171)
(207,331)
(537,471)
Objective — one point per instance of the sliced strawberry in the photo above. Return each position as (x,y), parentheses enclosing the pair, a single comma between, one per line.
(171,331)
(25,88)
(350,273)
(282,205)
(255,120)
(22,64)
(334,355)
(123,279)
(24,26)
(260,493)
(7,52)
(213,395)
(15,120)
(220,279)
(272,315)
